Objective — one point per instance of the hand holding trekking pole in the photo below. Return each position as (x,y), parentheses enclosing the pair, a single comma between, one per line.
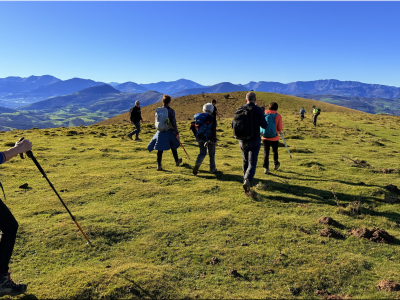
(29,153)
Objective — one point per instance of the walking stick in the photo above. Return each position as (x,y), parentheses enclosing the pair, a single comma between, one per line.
(283,139)
(31,156)
(182,147)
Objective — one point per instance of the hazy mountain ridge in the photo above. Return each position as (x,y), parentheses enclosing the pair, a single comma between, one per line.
(130,87)
(172,87)
(53,89)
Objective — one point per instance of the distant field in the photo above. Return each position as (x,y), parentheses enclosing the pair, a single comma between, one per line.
(170,234)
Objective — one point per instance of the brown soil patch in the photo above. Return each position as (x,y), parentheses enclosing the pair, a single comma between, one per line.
(214,260)
(295,291)
(375,235)
(327,221)
(388,285)
(334,297)
(330,233)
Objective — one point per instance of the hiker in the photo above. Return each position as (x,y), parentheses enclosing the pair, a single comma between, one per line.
(316,112)
(205,132)
(246,128)
(167,135)
(9,228)
(302,112)
(270,135)
(136,118)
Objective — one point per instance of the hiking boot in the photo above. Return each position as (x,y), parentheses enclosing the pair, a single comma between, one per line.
(213,171)
(130,136)
(246,186)
(137,139)
(159,167)
(276,166)
(195,169)
(266,171)
(9,287)
(178,162)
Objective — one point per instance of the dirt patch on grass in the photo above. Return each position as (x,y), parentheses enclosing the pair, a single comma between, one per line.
(327,221)
(375,235)
(388,285)
(328,232)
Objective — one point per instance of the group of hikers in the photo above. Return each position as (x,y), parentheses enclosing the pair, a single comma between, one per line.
(316,113)
(251,125)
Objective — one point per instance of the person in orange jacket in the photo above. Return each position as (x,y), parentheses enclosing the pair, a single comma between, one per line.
(270,136)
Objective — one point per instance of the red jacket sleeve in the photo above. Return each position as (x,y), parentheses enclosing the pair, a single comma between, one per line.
(279,125)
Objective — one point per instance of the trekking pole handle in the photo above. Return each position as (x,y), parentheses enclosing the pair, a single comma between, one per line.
(28,153)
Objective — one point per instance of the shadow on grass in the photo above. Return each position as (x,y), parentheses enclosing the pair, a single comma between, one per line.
(139,292)
(28,297)
(316,178)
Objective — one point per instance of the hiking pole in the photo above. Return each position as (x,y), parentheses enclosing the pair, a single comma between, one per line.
(31,156)
(182,146)
(283,139)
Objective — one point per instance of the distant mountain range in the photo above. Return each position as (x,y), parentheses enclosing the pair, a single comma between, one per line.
(46,101)
(16,91)
(98,98)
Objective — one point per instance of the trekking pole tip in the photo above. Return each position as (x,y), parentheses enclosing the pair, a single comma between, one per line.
(89,243)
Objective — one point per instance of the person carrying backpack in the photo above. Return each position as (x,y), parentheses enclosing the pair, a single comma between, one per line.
(302,112)
(246,128)
(205,133)
(9,228)
(136,118)
(270,135)
(167,135)
(316,112)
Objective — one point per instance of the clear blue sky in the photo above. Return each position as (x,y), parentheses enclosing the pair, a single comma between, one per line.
(207,42)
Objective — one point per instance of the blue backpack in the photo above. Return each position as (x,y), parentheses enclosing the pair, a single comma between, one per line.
(203,127)
(270,131)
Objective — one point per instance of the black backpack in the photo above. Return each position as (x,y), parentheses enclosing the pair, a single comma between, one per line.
(243,123)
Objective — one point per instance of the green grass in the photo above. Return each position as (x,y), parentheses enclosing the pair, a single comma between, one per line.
(155,233)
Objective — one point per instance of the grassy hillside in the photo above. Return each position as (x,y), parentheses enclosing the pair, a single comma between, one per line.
(369,105)
(187,106)
(170,234)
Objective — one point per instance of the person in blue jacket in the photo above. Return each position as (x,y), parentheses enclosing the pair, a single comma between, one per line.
(165,140)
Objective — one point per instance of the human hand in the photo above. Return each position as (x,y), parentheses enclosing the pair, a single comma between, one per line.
(23,146)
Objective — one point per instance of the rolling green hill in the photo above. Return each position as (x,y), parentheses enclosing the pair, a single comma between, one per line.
(365,104)
(173,235)
(187,106)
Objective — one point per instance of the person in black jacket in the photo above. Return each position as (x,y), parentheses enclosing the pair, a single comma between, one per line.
(251,147)
(136,118)
(9,228)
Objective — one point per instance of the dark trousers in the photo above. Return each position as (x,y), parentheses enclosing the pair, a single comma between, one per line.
(9,227)
(203,153)
(301,117)
(160,153)
(267,145)
(315,120)
(137,130)
(250,152)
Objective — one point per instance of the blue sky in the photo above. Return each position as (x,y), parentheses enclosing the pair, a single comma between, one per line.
(207,42)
